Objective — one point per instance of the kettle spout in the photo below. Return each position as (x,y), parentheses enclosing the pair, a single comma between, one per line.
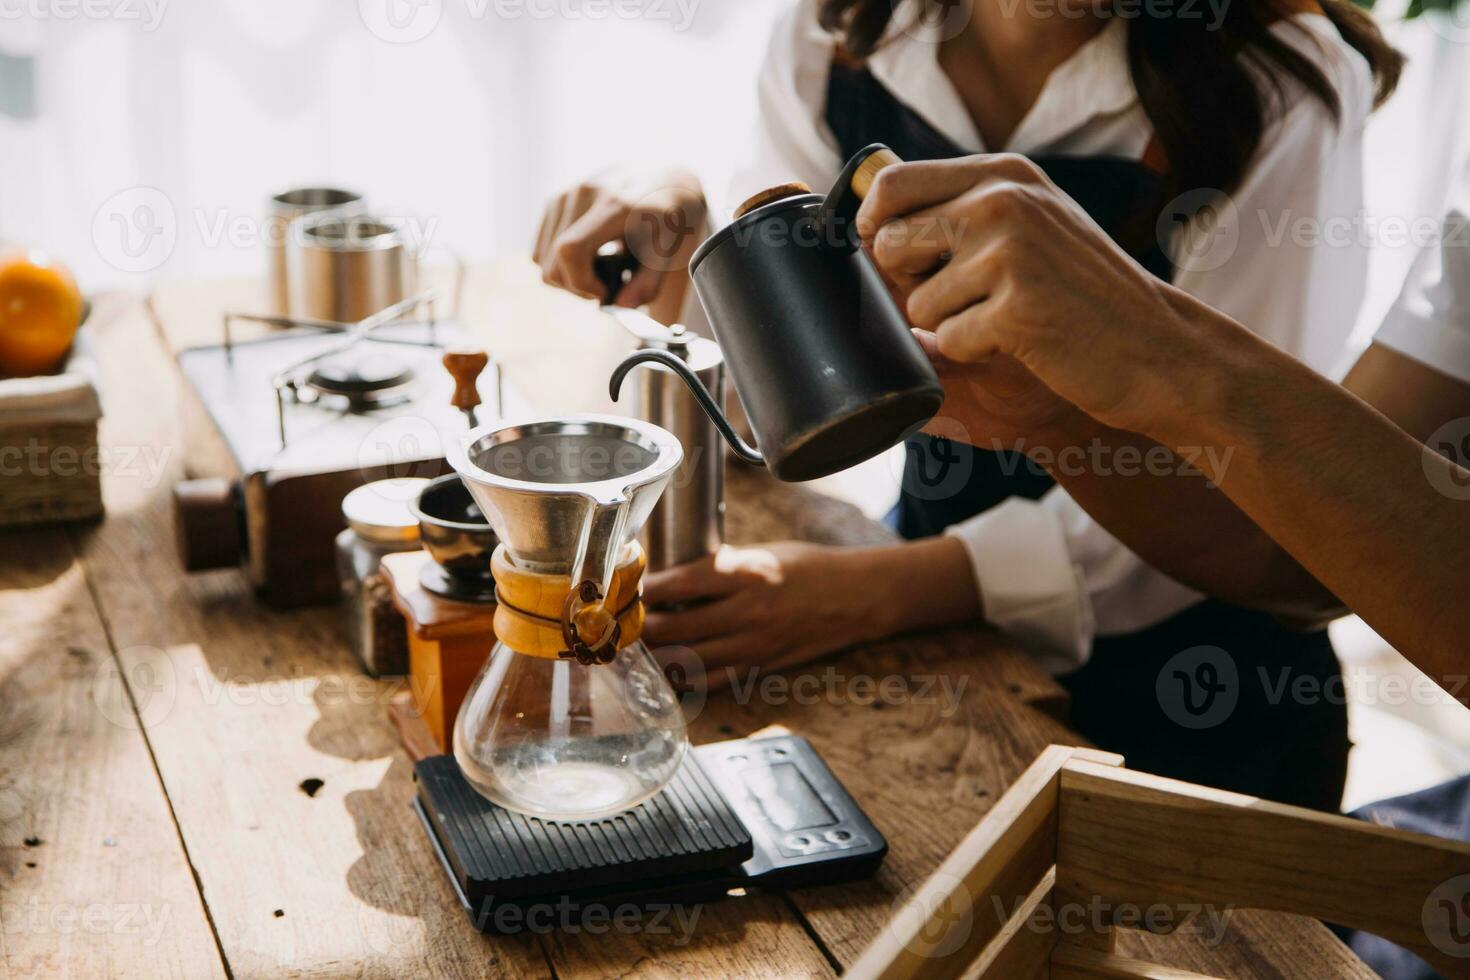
(696,387)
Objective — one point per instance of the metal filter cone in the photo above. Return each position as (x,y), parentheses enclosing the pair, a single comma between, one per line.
(565,495)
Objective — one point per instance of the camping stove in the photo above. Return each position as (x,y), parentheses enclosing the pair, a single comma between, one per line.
(308,413)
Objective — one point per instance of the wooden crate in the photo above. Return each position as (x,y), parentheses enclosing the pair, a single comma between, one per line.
(1080,832)
(50,465)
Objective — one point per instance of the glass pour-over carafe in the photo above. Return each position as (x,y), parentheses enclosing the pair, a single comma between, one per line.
(570,718)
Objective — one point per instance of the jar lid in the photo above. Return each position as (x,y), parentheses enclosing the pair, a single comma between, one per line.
(383,511)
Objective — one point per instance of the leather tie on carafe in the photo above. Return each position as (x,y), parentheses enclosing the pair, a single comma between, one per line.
(541,615)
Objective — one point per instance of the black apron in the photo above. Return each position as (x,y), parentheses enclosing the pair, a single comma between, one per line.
(1274,742)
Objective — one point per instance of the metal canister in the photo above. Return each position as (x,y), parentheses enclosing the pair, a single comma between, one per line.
(347,267)
(380,522)
(286,207)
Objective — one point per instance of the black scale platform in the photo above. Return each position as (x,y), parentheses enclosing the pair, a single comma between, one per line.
(748,813)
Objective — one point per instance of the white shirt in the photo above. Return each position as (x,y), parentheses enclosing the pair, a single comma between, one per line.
(1047,572)
(1430,321)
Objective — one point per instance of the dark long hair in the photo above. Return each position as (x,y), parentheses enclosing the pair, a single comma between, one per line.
(1194,81)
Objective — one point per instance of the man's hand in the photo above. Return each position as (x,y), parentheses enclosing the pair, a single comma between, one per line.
(997,263)
(997,404)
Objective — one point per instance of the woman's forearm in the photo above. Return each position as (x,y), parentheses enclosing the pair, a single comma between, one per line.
(916,585)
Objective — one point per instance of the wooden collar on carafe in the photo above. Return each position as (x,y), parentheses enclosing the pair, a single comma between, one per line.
(541,615)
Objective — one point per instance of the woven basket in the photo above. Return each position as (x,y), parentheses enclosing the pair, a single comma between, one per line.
(50,466)
(49,473)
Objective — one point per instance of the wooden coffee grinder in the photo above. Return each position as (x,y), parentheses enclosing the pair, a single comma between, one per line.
(441,590)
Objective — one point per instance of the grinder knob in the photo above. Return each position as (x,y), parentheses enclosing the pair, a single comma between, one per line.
(207,524)
(465,365)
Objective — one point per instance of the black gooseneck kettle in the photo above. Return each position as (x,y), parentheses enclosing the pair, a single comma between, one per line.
(820,354)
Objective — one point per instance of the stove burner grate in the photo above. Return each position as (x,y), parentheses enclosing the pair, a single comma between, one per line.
(365,381)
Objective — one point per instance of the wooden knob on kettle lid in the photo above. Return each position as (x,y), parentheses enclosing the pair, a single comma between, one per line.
(465,365)
(771,194)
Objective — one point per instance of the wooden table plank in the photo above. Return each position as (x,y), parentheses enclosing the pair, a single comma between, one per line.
(93,878)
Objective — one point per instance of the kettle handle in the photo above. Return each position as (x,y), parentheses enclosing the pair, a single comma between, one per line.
(839,208)
(696,387)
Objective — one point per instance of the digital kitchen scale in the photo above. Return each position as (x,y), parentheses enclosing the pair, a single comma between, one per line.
(749,813)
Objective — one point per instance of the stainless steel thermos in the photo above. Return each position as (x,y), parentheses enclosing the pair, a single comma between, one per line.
(689,521)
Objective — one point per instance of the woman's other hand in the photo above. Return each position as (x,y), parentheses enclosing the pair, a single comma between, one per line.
(660,219)
(997,263)
(782,604)
(772,605)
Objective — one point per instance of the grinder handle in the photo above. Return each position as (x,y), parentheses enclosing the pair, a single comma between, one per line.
(614,265)
(465,365)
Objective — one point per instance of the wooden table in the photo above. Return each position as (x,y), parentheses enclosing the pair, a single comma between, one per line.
(192,785)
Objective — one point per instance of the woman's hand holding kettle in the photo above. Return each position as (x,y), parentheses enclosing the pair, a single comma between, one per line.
(659,218)
(1024,304)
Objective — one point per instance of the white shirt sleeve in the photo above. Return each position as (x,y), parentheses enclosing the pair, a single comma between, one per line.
(1430,321)
(1283,257)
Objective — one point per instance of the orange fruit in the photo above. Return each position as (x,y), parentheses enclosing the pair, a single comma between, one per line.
(40,310)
